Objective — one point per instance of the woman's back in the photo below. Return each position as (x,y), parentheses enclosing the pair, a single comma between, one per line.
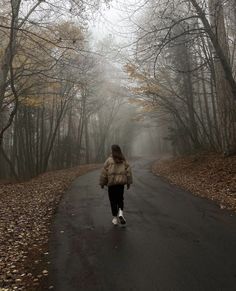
(116,173)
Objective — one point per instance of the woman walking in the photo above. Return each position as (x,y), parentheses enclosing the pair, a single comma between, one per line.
(115,174)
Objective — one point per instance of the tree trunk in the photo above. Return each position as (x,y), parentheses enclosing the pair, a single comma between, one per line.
(217,20)
(225,98)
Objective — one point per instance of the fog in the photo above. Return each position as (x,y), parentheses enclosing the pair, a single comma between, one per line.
(77,77)
(116,23)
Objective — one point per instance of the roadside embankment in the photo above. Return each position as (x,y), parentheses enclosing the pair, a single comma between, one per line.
(207,175)
(26,210)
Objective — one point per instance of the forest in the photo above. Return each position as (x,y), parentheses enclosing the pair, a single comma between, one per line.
(122,103)
(59,98)
(65,96)
(185,65)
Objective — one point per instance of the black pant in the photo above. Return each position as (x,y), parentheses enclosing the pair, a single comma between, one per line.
(116,196)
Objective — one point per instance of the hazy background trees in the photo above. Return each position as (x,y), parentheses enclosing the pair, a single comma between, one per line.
(164,83)
(184,62)
(59,99)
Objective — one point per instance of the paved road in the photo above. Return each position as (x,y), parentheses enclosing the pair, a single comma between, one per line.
(173,241)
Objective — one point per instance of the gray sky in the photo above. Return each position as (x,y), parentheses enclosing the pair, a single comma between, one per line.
(115,20)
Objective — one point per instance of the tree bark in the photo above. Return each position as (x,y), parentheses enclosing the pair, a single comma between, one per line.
(215,6)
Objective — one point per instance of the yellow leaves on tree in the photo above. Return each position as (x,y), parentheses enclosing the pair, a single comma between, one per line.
(145,105)
(70,33)
(133,72)
(48,98)
(147,89)
(31,101)
(148,84)
(146,92)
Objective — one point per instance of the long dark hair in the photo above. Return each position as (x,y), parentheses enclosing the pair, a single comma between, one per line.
(117,154)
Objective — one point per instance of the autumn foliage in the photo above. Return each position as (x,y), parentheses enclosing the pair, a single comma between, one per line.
(206,175)
(26,210)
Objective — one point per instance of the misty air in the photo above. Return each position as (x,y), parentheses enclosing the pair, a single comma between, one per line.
(117,145)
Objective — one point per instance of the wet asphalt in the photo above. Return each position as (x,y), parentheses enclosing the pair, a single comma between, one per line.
(173,240)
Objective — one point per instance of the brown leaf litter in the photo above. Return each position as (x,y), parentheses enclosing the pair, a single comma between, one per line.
(208,175)
(26,210)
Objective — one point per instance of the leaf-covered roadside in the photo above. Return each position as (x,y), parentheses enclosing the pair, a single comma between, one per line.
(207,175)
(26,210)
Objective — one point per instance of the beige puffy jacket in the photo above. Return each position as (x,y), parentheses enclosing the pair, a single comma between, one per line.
(115,173)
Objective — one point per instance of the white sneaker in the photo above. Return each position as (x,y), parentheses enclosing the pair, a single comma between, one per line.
(115,220)
(121,217)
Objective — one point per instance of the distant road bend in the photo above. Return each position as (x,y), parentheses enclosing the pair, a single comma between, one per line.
(173,241)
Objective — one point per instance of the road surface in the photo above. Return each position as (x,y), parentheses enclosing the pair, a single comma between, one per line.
(173,241)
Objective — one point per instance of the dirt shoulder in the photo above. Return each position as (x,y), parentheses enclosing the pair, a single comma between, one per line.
(207,175)
(26,210)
